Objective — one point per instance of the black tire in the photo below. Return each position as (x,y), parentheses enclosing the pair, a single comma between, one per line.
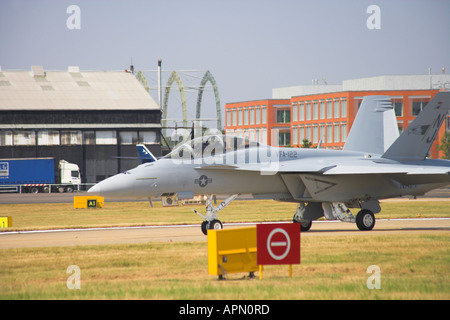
(34,190)
(305,226)
(205,227)
(215,225)
(365,220)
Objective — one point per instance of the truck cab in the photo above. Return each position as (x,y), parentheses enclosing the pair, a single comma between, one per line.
(69,174)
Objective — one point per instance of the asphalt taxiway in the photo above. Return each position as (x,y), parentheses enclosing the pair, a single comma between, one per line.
(170,233)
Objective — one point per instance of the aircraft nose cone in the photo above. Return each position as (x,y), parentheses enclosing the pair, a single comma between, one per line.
(118,185)
(95,189)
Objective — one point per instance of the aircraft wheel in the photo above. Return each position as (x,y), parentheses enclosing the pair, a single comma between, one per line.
(365,220)
(305,225)
(205,227)
(213,225)
(216,225)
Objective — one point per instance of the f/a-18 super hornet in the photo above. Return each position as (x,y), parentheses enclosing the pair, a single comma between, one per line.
(375,163)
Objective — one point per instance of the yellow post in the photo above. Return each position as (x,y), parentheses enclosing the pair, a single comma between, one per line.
(260,272)
(6,222)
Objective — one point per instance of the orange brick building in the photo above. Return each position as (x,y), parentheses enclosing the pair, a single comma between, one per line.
(256,119)
(328,116)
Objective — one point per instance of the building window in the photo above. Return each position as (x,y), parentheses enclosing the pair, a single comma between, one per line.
(105,137)
(329,109)
(252,115)
(234,117)
(308,132)
(294,135)
(24,138)
(398,107)
(240,116)
(228,118)
(264,114)
(417,107)
(336,108)
(128,137)
(336,132)
(88,137)
(344,108)
(322,109)
(301,134)
(245,116)
(308,110)
(294,112)
(343,131)
(322,133)
(6,138)
(148,137)
(284,138)
(315,110)
(315,134)
(283,116)
(258,115)
(329,137)
(301,111)
(71,137)
(48,138)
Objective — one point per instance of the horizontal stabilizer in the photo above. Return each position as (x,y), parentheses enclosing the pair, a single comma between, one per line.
(415,142)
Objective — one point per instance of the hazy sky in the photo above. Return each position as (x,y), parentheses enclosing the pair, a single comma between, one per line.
(250,46)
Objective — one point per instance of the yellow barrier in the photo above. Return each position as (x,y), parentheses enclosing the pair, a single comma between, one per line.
(83,202)
(6,222)
(232,251)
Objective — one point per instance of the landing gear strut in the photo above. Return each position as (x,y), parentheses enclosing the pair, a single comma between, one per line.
(211,221)
(299,217)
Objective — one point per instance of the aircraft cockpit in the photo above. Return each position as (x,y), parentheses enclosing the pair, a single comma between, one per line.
(211,145)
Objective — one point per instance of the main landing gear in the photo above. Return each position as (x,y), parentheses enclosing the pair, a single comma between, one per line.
(305,214)
(211,221)
(365,220)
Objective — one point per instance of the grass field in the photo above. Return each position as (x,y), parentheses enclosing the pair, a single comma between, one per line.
(411,267)
(333,267)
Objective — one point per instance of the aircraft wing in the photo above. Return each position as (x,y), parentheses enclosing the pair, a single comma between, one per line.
(344,168)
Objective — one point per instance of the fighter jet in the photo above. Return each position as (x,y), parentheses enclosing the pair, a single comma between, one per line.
(375,163)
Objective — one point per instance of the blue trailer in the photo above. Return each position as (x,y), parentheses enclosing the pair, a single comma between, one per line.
(38,175)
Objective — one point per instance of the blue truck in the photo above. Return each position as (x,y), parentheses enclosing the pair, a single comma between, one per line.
(38,175)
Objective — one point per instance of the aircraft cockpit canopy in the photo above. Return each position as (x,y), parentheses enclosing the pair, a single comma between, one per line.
(212,145)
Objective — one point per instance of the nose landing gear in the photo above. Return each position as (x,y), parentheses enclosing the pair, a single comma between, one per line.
(211,219)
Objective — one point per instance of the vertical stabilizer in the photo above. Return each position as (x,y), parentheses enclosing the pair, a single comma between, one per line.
(375,126)
(415,142)
(145,154)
